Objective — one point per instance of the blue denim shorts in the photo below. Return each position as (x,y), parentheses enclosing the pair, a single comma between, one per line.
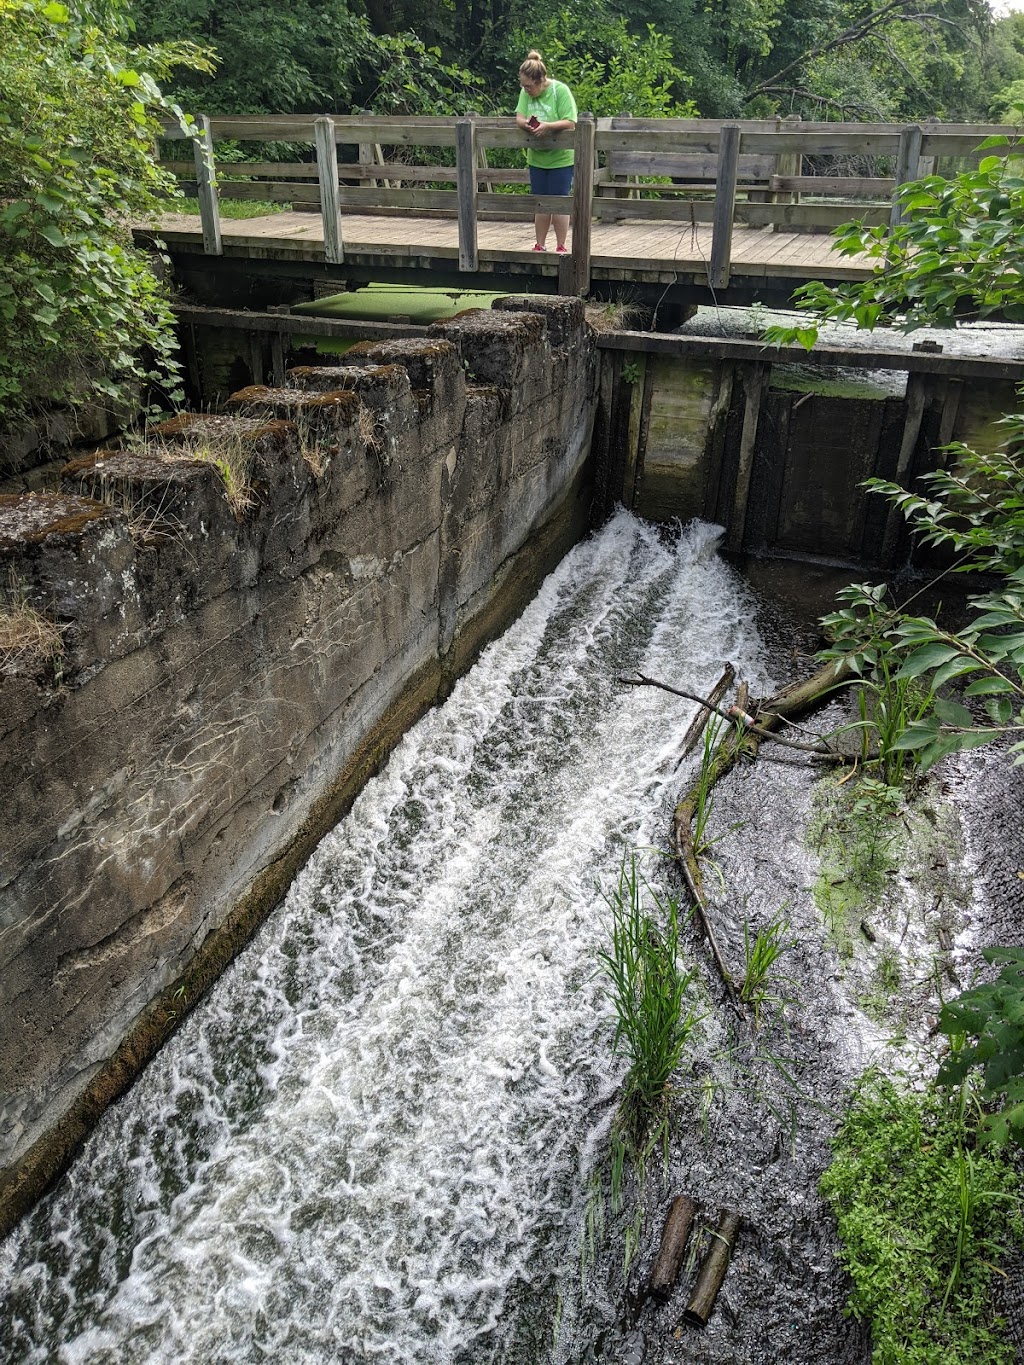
(551,179)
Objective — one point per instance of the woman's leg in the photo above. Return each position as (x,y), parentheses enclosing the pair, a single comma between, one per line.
(542,221)
(561,183)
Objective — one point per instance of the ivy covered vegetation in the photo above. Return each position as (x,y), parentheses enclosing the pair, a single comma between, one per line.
(82,312)
(923,1217)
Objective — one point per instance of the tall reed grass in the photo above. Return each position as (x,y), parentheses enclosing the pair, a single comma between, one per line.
(652,1020)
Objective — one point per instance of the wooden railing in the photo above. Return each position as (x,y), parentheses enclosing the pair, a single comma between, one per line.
(760,173)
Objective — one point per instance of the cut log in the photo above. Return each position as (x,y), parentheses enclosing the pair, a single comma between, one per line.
(673,1247)
(712,1270)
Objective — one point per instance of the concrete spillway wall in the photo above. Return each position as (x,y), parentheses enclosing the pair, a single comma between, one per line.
(232,671)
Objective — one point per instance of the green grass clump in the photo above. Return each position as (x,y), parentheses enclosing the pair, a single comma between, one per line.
(923,1217)
(231,208)
(648,992)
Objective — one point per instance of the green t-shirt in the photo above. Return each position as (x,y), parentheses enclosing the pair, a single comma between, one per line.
(551,106)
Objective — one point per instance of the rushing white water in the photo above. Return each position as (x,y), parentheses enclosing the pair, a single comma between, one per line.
(373,1140)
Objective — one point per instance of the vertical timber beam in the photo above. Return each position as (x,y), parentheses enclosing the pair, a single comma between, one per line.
(755,379)
(465,172)
(574,273)
(907,167)
(917,392)
(327,169)
(206,181)
(634,455)
(786,164)
(725,205)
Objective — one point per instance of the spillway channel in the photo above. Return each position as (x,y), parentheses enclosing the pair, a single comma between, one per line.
(374,1140)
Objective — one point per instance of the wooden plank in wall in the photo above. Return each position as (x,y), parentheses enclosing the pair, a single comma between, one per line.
(755,380)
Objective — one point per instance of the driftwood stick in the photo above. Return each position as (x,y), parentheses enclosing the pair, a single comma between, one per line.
(737,714)
(700,720)
(682,838)
(673,1246)
(712,1270)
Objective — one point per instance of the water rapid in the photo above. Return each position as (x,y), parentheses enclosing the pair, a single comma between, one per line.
(373,1141)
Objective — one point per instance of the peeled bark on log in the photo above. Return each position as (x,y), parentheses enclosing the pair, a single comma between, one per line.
(700,720)
(712,1270)
(673,1246)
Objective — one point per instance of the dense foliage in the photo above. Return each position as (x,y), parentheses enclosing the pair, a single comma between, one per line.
(922,1218)
(82,311)
(986,1025)
(957,254)
(884,59)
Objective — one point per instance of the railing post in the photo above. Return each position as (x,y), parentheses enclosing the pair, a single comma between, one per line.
(327,169)
(465,171)
(725,205)
(577,275)
(787,164)
(907,162)
(206,184)
(481,157)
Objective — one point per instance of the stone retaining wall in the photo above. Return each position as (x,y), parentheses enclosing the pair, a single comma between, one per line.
(233,671)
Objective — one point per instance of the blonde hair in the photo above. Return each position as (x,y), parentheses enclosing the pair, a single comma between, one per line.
(533,68)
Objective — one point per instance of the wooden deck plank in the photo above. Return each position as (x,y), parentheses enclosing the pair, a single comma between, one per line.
(635,249)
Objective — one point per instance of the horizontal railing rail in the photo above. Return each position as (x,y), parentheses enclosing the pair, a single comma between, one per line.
(776,174)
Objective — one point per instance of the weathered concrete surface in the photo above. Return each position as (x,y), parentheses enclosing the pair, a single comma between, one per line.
(231,677)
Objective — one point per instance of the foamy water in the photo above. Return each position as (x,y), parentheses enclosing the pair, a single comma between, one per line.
(373,1140)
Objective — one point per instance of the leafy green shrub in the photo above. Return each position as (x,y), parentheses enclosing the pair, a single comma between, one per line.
(922,1218)
(954,256)
(83,316)
(610,70)
(991,1015)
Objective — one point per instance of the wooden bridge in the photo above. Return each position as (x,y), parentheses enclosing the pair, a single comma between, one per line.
(699,207)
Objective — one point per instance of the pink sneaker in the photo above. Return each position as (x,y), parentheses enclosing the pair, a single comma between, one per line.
(537,247)
(562,250)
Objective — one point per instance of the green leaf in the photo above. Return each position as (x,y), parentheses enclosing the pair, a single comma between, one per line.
(987,687)
(930,656)
(952,713)
(53,235)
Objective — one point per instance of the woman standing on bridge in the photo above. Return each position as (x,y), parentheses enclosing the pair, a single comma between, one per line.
(546,106)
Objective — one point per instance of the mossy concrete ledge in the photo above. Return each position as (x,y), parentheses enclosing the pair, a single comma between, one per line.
(254,608)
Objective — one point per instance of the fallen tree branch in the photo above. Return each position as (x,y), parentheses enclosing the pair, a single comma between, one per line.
(734,713)
(689,867)
(700,720)
(740,739)
(674,1236)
